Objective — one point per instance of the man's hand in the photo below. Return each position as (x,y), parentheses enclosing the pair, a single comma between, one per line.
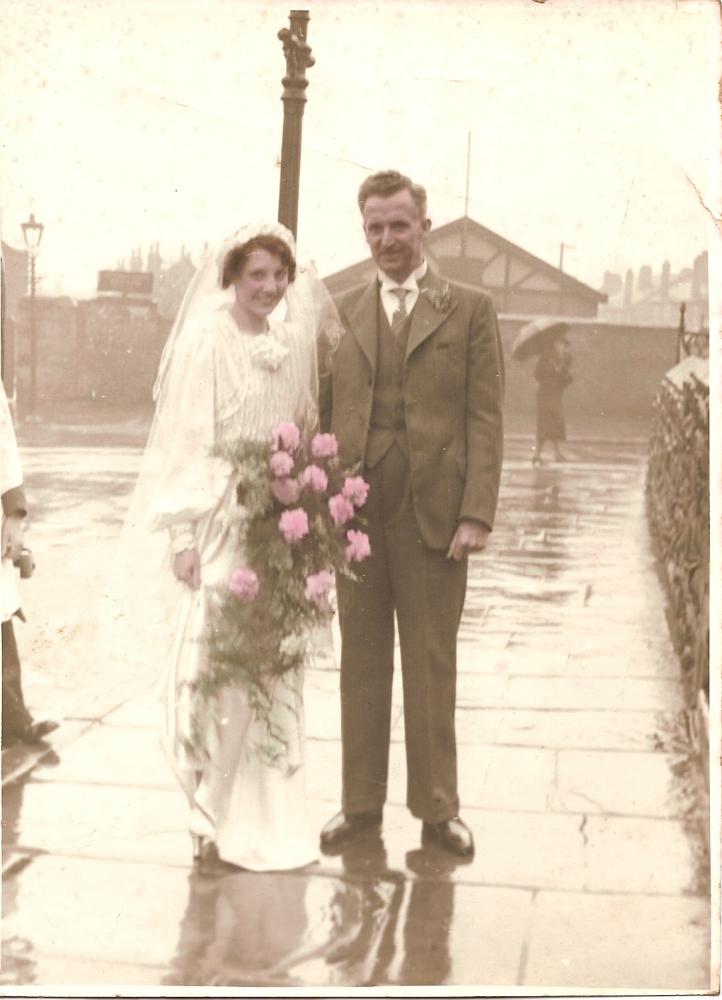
(187,567)
(470,536)
(12,536)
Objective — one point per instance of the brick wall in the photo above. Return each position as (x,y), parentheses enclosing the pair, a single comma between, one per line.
(617,371)
(104,349)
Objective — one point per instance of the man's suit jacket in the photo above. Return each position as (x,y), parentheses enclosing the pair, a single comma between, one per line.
(453,387)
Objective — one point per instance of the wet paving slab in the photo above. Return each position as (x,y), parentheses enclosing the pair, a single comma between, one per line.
(586,873)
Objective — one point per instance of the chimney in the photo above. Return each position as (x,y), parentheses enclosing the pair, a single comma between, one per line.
(664,284)
(699,276)
(628,288)
(612,283)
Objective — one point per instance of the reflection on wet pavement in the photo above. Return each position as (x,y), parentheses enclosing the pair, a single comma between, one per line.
(584,875)
(370,927)
(282,930)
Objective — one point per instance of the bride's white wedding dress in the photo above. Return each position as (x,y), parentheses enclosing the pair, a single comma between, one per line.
(255,812)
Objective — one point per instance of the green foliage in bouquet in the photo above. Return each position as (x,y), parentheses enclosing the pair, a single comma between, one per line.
(296,524)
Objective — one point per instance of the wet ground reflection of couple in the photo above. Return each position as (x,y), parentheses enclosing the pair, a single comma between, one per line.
(367,925)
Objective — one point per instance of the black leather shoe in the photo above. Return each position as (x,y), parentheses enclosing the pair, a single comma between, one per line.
(37,731)
(452,834)
(342,828)
(32,732)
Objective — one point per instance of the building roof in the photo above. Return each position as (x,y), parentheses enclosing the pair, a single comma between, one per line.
(467,238)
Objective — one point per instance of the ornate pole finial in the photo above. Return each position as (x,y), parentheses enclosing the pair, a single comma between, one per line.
(297,52)
(298,56)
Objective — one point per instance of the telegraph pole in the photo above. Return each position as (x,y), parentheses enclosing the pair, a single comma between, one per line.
(465,222)
(562,248)
(298,59)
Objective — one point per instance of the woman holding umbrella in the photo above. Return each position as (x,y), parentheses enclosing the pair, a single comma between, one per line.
(547,339)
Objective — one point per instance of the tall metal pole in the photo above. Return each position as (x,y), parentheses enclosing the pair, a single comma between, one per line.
(561,280)
(33,340)
(562,248)
(464,224)
(681,333)
(32,235)
(298,59)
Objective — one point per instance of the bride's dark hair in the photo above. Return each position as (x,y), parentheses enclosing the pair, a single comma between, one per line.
(237,258)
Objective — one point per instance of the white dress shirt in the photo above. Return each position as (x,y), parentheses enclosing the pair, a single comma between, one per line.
(389,301)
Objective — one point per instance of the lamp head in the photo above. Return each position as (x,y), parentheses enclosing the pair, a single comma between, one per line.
(32,233)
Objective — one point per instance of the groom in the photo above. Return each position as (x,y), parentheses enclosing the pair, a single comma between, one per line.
(415,398)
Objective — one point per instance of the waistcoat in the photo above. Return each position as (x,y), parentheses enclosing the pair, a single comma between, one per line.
(388,421)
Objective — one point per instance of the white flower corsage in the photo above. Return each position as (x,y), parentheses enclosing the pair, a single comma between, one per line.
(267,353)
(440,299)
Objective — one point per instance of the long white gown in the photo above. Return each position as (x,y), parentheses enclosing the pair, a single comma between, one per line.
(255,812)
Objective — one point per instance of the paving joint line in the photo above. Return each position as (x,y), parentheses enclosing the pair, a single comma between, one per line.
(395,876)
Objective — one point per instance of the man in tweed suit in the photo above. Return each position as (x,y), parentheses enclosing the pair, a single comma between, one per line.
(415,399)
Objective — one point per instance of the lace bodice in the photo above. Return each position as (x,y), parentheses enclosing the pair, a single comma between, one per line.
(260,379)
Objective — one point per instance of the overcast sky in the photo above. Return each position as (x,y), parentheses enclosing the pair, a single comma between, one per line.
(130,121)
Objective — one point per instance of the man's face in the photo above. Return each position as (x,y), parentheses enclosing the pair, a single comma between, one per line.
(395,233)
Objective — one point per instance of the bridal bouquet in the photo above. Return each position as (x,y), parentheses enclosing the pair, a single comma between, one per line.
(297,524)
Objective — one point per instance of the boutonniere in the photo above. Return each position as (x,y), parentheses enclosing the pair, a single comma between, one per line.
(267,353)
(440,298)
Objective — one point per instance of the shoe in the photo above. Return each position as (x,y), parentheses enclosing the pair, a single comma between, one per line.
(342,828)
(31,732)
(452,834)
(37,731)
(197,841)
(208,862)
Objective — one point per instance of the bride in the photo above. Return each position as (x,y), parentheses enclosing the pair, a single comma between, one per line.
(232,368)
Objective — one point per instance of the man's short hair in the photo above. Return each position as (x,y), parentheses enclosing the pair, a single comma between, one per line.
(388,182)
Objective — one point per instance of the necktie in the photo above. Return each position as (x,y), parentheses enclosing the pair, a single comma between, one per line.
(400,312)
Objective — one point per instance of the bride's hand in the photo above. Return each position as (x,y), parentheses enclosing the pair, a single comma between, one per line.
(187,567)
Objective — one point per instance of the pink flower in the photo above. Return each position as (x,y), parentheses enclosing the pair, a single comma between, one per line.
(341,509)
(286,435)
(244,584)
(324,446)
(318,586)
(356,490)
(293,524)
(281,463)
(359,547)
(286,491)
(314,479)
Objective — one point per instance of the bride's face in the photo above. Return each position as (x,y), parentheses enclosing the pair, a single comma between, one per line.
(262,283)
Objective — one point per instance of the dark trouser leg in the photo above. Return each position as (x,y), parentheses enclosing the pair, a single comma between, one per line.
(367,663)
(428,592)
(16,717)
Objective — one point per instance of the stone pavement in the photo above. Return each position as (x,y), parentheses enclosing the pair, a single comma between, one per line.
(589,872)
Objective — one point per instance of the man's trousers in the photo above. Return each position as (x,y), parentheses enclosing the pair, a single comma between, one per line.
(425,591)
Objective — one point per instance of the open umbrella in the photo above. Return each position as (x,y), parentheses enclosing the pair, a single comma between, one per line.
(532,337)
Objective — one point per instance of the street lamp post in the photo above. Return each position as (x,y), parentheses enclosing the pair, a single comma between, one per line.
(32,234)
(298,58)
